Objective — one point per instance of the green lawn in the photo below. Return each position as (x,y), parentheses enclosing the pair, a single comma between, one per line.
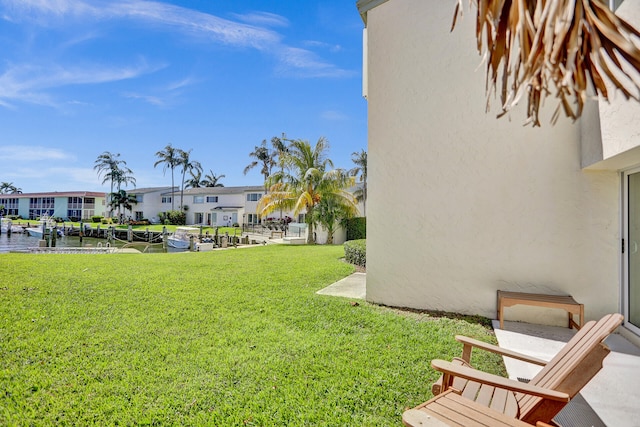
(234,337)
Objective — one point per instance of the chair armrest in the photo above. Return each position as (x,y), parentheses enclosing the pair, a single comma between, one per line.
(471,343)
(449,370)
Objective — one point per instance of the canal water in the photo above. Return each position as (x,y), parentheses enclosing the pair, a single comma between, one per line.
(21,242)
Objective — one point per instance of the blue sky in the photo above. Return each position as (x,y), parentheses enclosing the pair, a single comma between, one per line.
(80,77)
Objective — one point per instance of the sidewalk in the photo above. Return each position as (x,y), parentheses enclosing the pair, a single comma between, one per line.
(353,286)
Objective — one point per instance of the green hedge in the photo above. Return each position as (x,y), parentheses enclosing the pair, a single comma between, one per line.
(356,228)
(355,252)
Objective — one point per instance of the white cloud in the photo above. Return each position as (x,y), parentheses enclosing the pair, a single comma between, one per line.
(263,18)
(304,63)
(28,83)
(333,115)
(301,62)
(33,153)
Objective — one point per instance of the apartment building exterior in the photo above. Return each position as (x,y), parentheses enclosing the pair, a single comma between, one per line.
(482,204)
(80,205)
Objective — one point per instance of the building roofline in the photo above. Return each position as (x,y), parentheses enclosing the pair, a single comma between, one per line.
(366,5)
(57,194)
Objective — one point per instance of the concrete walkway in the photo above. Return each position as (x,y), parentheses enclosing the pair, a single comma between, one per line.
(353,286)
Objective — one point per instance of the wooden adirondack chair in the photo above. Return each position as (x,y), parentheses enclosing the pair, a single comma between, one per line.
(548,392)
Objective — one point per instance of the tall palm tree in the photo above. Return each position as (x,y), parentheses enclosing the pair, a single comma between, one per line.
(360,172)
(123,175)
(263,156)
(187,165)
(280,147)
(212,180)
(169,158)
(305,181)
(109,164)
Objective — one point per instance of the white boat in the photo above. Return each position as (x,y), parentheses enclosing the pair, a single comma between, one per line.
(181,238)
(45,222)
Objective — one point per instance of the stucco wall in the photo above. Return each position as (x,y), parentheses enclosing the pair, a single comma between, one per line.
(462,204)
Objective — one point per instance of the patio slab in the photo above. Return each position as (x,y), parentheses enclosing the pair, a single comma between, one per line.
(612,393)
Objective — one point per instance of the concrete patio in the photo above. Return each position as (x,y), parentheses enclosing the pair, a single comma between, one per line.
(612,394)
(611,398)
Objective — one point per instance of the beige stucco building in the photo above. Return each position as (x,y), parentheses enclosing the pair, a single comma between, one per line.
(462,204)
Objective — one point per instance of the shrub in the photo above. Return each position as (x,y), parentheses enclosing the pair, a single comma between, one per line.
(356,228)
(96,218)
(173,218)
(355,252)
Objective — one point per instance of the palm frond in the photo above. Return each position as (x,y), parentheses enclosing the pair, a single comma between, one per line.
(568,48)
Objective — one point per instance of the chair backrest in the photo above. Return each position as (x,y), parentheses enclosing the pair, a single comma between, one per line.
(573,367)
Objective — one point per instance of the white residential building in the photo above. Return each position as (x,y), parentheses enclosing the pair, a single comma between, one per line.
(462,204)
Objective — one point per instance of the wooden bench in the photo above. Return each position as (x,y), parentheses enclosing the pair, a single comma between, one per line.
(566,302)
(276,233)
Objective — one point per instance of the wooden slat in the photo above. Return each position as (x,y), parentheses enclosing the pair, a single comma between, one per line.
(471,390)
(450,409)
(499,401)
(485,395)
(574,365)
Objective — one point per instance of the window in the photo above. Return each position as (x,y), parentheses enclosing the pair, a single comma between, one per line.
(139,197)
(198,199)
(139,216)
(10,206)
(39,206)
(253,197)
(198,218)
(253,218)
(74,213)
(166,199)
(212,199)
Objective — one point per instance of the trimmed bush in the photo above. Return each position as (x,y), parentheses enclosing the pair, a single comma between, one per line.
(96,218)
(356,228)
(355,252)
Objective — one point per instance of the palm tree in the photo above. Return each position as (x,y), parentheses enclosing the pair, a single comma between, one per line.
(121,199)
(578,45)
(196,179)
(109,164)
(212,180)
(169,157)
(187,165)
(360,160)
(123,176)
(9,188)
(305,181)
(330,212)
(281,149)
(262,156)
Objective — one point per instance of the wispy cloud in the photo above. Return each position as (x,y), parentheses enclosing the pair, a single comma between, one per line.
(333,115)
(33,153)
(263,19)
(304,63)
(29,83)
(250,30)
